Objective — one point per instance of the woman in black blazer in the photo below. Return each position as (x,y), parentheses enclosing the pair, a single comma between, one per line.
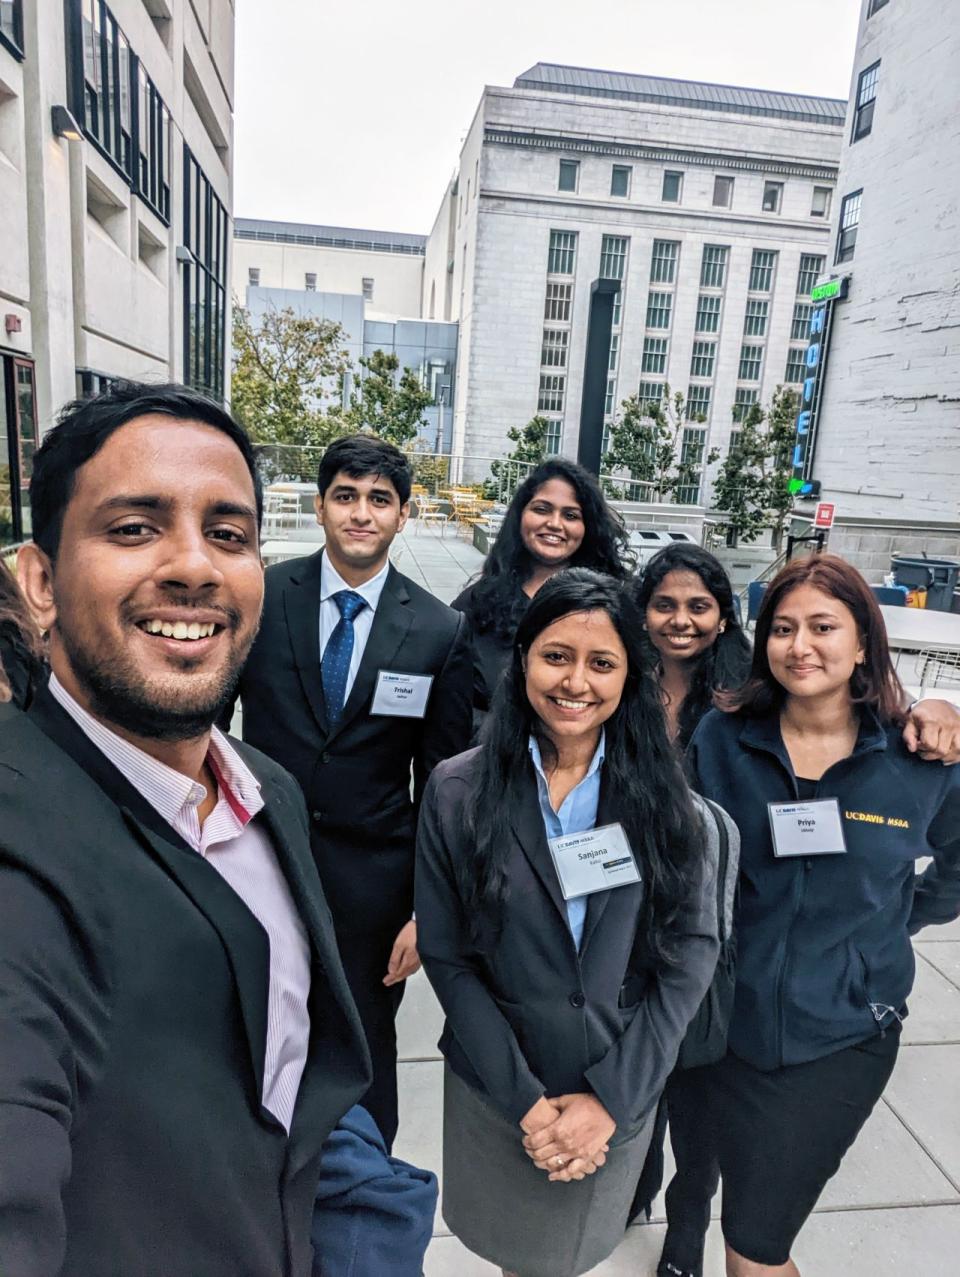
(565,1008)
(558,518)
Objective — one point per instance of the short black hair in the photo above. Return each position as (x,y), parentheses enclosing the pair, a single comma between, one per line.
(360,455)
(85,425)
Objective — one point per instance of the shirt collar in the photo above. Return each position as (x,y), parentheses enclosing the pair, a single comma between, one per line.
(331,582)
(595,762)
(167,790)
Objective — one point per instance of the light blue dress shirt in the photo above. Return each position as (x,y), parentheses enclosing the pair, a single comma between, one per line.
(578,813)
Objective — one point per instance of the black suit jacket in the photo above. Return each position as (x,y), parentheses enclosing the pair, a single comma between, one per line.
(356,776)
(133,1008)
(526,1014)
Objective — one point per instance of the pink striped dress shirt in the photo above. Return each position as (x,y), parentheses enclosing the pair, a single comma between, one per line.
(241,852)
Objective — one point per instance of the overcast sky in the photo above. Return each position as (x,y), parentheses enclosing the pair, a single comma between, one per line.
(352,112)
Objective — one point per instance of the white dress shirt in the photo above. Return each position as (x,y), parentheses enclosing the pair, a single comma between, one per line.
(241,852)
(330,583)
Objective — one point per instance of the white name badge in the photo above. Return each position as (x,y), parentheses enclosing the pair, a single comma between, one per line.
(807,829)
(401,695)
(593,861)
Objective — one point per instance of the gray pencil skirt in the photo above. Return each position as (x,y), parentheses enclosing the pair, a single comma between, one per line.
(506,1211)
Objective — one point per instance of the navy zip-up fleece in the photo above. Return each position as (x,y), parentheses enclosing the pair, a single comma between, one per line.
(823,942)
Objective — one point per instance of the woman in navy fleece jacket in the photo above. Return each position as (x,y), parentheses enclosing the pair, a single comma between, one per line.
(833,812)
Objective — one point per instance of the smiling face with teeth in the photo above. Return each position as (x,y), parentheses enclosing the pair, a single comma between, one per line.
(155,595)
(683,618)
(575,671)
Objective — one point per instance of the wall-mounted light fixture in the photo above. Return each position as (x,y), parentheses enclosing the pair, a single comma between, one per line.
(184,255)
(64,125)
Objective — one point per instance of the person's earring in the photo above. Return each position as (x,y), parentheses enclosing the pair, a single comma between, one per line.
(722,627)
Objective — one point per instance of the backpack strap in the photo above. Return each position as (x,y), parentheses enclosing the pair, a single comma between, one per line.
(728,867)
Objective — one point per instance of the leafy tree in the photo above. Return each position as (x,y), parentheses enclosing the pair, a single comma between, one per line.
(752,484)
(647,442)
(383,404)
(507,473)
(284,365)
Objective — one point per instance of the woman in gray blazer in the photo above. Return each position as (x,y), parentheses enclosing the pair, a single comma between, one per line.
(566,904)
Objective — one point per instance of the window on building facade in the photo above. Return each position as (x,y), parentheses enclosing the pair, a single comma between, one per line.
(755,319)
(800,325)
(569,175)
(90,383)
(617,309)
(698,402)
(558,302)
(310,281)
(620,180)
(875,5)
(206,230)
(613,256)
(550,398)
(366,285)
(614,352)
(722,192)
(553,353)
(691,454)
(563,253)
(122,112)
(708,314)
(713,268)
(18,443)
(610,397)
(659,308)
(761,270)
(11,26)
(849,225)
(866,101)
(751,361)
(672,187)
(772,197)
(811,268)
(663,262)
(554,438)
(654,357)
(796,364)
(650,392)
(743,399)
(822,200)
(253,276)
(704,356)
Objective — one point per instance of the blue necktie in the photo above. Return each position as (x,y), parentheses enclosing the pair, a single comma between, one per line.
(335,662)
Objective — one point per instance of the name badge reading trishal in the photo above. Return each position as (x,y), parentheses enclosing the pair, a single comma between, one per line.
(807,829)
(401,695)
(595,860)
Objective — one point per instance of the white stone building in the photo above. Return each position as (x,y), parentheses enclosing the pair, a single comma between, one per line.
(888,441)
(116,127)
(712,206)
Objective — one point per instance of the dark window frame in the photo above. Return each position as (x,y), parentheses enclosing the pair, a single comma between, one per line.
(13,39)
(21,444)
(864,108)
(625,171)
(847,232)
(206,234)
(566,165)
(875,7)
(678,175)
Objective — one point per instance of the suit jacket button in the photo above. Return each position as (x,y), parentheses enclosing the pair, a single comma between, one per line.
(577,1000)
(324,757)
(317,815)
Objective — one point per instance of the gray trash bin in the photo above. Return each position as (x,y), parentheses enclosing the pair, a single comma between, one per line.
(938,577)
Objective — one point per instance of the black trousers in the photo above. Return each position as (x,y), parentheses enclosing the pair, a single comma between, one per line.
(365,960)
(697,1177)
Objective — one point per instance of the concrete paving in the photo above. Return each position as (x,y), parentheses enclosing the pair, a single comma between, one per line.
(893,1210)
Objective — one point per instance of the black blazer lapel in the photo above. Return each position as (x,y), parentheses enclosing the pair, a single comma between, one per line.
(301,603)
(532,837)
(243,938)
(391,625)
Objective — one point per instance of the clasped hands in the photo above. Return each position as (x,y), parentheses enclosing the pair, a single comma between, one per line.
(568,1136)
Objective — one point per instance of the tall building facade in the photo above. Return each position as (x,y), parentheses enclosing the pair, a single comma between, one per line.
(887,447)
(710,205)
(116,129)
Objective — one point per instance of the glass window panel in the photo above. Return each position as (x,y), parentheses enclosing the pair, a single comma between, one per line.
(672,187)
(569,175)
(708,313)
(796,364)
(866,101)
(743,400)
(563,251)
(613,256)
(698,402)
(704,356)
(822,200)
(772,196)
(654,355)
(751,361)
(811,268)
(553,353)
(761,270)
(620,180)
(849,225)
(650,392)
(659,310)
(663,262)
(550,398)
(713,268)
(755,320)
(557,302)
(800,325)
(722,192)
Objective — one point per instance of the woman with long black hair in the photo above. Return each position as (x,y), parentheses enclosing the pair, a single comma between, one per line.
(558,518)
(566,899)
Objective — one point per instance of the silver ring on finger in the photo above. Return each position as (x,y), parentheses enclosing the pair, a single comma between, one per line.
(558,1160)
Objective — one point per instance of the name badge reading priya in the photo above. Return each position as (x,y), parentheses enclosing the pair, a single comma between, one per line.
(401,695)
(595,860)
(807,829)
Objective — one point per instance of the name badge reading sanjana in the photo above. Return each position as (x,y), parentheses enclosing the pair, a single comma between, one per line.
(807,829)
(595,860)
(401,695)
